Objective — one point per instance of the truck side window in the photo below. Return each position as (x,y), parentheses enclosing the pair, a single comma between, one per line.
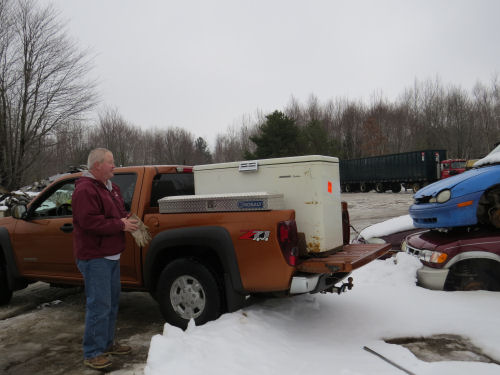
(170,184)
(57,203)
(126,182)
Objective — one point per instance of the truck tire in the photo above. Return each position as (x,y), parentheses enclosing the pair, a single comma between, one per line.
(348,188)
(415,187)
(5,292)
(187,290)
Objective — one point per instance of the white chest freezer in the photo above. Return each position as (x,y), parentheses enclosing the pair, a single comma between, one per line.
(310,185)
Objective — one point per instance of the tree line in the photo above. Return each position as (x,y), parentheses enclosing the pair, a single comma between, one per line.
(46,96)
(427,115)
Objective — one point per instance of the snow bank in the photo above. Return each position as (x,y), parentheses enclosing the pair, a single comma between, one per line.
(326,333)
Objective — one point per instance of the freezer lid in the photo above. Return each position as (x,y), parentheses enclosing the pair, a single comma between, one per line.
(348,259)
(273,161)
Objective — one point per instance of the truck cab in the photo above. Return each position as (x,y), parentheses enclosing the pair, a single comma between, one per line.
(452,167)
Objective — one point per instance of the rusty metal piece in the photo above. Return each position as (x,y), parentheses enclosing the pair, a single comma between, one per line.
(346,260)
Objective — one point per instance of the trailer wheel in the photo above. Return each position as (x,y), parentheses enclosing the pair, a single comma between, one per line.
(415,187)
(364,187)
(379,187)
(348,188)
(396,187)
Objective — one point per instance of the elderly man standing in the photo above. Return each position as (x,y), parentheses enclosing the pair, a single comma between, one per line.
(100,222)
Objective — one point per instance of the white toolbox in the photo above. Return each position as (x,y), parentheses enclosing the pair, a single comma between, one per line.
(259,201)
(310,185)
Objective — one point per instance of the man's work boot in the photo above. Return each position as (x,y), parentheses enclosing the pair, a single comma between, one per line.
(98,362)
(117,349)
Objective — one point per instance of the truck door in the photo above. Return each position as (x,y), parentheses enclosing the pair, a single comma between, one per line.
(44,241)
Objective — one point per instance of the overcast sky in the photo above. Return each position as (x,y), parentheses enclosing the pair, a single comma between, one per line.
(203,65)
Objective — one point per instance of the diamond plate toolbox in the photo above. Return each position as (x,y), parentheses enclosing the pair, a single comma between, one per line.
(252,201)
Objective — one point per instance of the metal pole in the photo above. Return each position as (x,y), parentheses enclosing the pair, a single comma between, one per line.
(388,360)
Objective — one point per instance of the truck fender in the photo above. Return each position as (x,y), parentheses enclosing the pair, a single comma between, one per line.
(472,255)
(213,237)
(14,279)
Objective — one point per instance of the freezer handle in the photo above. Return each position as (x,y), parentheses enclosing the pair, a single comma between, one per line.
(248,166)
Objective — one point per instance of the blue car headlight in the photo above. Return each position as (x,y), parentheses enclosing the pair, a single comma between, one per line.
(442,197)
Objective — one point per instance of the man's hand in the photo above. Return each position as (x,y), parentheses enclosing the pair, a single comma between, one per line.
(130,224)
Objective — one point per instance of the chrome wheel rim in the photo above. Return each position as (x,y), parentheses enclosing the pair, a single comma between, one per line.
(187,297)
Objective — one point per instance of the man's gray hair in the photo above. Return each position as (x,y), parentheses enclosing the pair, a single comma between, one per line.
(96,156)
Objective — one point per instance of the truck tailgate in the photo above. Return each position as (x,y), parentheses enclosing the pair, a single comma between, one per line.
(348,259)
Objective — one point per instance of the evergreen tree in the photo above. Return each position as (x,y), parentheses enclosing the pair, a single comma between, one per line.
(279,136)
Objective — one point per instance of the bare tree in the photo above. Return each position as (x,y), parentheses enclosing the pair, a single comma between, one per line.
(117,135)
(43,84)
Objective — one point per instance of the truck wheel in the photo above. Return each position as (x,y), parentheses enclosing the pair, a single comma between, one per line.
(188,290)
(415,187)
(5,292)
(348,188)
(379,187)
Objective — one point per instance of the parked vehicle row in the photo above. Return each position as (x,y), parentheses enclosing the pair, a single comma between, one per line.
(455,231)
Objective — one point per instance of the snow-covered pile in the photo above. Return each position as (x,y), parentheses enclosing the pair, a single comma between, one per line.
(325,333)
(384,228)
(492,158)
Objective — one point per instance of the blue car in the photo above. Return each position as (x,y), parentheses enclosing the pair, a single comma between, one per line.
(467,199)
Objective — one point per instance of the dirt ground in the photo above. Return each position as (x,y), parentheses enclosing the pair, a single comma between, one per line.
(41,329)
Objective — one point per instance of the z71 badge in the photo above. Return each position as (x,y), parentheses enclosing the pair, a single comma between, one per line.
(256,235)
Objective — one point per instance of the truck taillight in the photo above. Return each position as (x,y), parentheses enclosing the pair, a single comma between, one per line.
(288,240)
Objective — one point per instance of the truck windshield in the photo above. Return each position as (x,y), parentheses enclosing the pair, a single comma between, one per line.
(458,164)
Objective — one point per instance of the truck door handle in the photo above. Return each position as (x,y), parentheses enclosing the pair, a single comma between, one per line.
(67,228)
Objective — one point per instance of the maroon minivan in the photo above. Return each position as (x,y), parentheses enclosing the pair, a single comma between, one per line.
(457,259)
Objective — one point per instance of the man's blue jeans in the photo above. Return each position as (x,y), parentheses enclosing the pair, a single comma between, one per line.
(102,291)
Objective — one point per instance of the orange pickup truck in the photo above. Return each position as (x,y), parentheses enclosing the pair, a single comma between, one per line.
(197,266)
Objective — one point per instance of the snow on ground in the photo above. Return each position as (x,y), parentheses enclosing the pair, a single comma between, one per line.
(327,333)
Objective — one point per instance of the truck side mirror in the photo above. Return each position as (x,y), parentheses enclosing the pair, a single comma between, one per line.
(19,211)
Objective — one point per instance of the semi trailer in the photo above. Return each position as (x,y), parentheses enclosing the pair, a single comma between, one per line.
(412,170)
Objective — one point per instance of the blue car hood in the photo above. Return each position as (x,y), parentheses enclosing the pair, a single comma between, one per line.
(450,182)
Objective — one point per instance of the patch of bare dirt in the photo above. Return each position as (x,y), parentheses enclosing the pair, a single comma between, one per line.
(41,332)
(443,347)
